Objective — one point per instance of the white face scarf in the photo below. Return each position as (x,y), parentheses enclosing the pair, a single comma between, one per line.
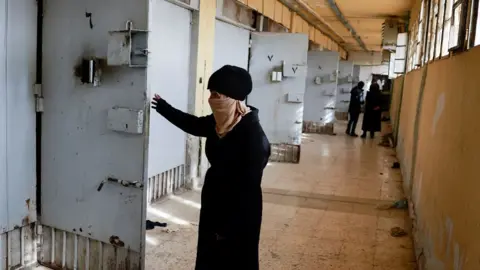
(227,112)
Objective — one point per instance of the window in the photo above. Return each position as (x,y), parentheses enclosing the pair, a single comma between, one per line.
(412,46)
(421,35)
(440,21)
(433,29)
(447,27)
(476,7)
(457,26)
(400,53)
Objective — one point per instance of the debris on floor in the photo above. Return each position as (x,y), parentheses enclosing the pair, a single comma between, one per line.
(396,165)
(397,232)
(401,204)
(387,140)
(152,224)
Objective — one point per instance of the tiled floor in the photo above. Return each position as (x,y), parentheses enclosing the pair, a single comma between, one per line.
(320,214)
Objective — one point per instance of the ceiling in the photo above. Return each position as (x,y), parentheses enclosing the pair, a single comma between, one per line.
(366,17)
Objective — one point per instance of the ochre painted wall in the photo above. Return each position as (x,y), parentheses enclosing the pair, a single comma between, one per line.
(446,184)
(407,118)
(396,99)
(206,42)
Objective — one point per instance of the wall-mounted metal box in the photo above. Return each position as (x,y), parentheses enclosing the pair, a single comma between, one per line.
(295,97)
(125,120)
(276,76)
(330,78)
(128,47)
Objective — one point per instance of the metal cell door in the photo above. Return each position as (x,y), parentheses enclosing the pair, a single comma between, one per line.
(279,100)
(18,28)
(94,140)
(345,85)
(321,88)
(168,76)
(231,45)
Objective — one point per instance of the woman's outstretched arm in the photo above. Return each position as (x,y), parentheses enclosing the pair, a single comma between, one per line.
(196,126)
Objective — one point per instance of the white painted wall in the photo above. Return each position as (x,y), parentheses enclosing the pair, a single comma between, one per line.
(231,46)
(168,75)
(318,96)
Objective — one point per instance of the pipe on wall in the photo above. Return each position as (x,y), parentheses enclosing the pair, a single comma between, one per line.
(305,7)
(341,17)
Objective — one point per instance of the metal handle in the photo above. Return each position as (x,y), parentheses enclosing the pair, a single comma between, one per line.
(125,183)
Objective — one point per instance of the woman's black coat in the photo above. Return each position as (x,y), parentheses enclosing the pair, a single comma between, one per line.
(231,213)
(372,119)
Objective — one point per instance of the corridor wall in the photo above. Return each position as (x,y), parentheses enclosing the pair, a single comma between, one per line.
(396,102)
(442,144)
(407,119)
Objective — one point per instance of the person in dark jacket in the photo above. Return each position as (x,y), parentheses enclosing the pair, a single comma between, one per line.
(373,115)
(355,108)
(238,152)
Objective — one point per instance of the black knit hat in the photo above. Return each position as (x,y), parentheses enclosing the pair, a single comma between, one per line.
(231,81)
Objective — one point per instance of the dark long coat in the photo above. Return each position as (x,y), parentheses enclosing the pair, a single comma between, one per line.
(231,213)
(372,119)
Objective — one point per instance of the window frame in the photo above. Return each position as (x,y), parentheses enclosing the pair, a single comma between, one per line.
(442,11)
(463,4)
(420,37)
(474,21)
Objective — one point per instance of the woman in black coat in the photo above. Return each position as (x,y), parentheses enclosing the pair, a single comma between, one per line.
(238,151)
(373,115)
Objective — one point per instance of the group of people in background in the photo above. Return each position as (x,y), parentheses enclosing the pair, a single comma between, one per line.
(372,112)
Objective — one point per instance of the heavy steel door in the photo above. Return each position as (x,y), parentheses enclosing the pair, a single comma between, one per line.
(168,76)
(345,85)
(280,102)
(18,29)
(321,88)
(231,45)
(92,137)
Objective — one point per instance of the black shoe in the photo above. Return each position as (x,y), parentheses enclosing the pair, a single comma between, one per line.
(354,135)
(363,136)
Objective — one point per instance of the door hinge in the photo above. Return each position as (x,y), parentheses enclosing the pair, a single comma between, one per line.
(39,104)
(37,91)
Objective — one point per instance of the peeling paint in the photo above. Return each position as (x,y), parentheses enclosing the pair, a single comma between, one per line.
(417,190)
(438,111)
(449,231)
(458,258)
(116,241)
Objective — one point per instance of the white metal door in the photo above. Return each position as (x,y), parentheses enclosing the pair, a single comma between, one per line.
(168,76)
(231,45)
(17,132)
(88,225)
(321,87)
(345,85)
(280,103)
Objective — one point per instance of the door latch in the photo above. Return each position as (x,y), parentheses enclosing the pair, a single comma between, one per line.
(125,183)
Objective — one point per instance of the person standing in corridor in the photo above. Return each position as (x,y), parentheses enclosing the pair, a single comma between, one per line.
(238,152)
(355,108)
(372,119)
